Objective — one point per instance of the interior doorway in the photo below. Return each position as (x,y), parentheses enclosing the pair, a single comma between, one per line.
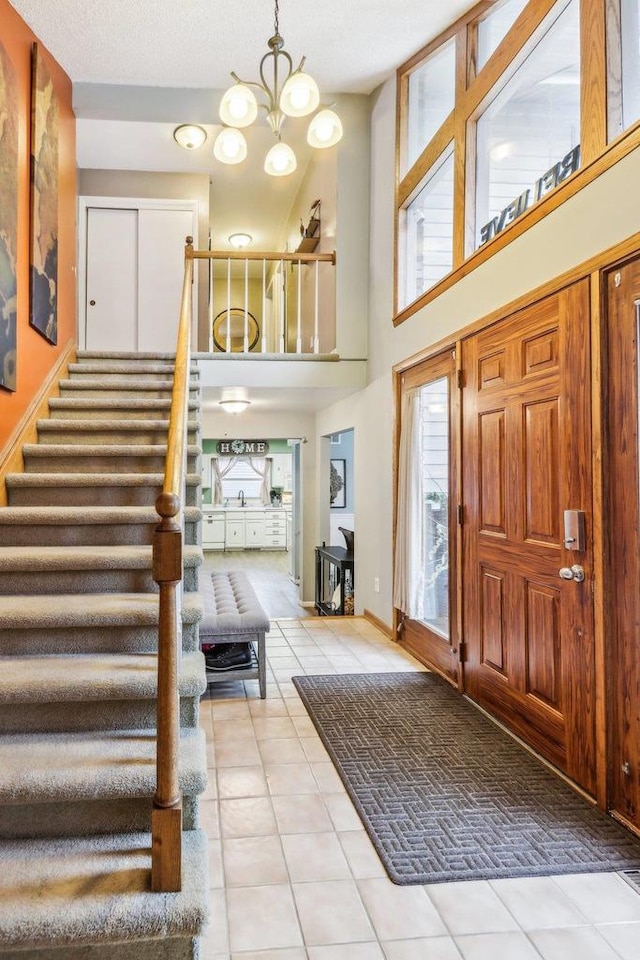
(341,501)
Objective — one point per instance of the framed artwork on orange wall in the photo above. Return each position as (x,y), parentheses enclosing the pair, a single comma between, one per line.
(43,311)
(9,112)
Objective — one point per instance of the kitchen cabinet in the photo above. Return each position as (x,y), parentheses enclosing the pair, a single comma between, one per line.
(253,530)
(234,530)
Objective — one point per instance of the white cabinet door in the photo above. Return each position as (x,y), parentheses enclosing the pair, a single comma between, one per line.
(254,530)
(112,279)
(234,534)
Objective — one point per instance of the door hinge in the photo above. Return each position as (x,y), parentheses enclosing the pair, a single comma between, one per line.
(460,514)
(462,651)
(460,376)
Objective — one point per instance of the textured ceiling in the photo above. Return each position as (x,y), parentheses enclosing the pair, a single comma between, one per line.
(351,45)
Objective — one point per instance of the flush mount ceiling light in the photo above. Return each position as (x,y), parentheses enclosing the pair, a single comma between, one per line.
(190,136)
(240,240)
(234,406)
(291,93)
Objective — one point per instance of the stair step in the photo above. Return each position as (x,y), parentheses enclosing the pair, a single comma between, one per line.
(102,458)
(86,569)
(107,431)
(90,623)
(98,489)
(105,408)
(125,368)
(110,356)
(62,693)
(62,784)
(100,387)
(76,526)
(67,892)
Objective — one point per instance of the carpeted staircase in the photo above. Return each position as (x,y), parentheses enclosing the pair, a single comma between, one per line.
(78,634)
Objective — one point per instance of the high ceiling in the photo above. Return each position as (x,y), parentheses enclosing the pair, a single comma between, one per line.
(141,67)
(351,45)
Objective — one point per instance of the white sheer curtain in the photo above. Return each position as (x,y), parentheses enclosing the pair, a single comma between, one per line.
(265,473)
(408,587)
(218,473)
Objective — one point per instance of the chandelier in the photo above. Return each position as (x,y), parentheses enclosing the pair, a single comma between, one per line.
(287,93)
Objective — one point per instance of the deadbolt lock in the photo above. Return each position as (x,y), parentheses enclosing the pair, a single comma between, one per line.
(576,572)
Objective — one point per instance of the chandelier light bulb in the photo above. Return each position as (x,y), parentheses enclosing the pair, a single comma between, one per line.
(325,130)
(280,160)
(300,95)
(238,107)
(230,146)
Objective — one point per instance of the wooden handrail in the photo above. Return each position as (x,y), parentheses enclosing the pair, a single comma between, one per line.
(254,255)
(166,818)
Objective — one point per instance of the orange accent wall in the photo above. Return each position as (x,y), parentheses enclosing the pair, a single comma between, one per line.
(35,356)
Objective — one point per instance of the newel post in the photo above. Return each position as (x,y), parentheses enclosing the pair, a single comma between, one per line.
(166,817)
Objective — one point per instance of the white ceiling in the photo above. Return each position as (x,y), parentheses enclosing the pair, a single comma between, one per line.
(351,45)
(141,67)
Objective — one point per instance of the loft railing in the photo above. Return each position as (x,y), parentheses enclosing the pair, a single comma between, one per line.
(166,817)
(271,303)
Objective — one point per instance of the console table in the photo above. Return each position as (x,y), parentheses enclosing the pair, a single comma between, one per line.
(334,581)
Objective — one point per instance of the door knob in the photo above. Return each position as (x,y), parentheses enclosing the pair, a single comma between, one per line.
(92,303)
(576,572)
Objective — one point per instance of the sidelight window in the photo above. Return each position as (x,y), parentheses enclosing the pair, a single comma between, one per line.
(434,428)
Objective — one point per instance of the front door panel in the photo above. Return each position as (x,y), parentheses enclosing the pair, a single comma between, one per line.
(526,459)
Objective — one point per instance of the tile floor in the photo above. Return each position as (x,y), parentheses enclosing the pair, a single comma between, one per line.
(293,874)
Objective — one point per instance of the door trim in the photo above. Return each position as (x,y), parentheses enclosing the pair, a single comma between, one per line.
(123,203)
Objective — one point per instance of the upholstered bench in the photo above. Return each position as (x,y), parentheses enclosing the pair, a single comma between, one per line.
(232,614)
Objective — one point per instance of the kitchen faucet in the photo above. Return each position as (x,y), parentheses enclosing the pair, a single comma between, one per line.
(241,498)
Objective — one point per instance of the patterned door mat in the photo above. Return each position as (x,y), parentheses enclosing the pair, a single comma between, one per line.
(445,794)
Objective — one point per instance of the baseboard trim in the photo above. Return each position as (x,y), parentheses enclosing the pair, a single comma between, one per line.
(377,622)
(26,431)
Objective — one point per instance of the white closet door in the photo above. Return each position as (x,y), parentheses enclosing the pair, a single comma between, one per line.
(112,279)
(161,240)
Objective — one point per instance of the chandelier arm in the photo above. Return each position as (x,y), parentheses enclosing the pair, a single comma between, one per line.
(274,95)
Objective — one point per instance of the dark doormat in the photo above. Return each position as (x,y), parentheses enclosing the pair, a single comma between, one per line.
(445,794)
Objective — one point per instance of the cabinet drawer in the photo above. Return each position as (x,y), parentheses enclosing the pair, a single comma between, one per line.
(275,525)
(274,541)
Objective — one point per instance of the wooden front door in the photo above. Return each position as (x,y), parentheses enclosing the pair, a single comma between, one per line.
(526,460)
(623,528)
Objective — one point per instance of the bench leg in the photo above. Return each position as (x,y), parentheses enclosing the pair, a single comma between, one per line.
(262,665)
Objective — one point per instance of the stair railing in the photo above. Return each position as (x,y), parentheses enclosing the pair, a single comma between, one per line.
(166,817)
(270,303)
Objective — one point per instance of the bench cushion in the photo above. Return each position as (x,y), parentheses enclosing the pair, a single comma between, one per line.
(231,609)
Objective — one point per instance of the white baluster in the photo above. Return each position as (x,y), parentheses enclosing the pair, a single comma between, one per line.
(228,340)
(264,306)
(299,331)
(246,307)
(316,322)
(282,307)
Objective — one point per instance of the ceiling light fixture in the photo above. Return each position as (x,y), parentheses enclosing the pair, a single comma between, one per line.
(190,136)
(291,93)
(234,406)
(240,240)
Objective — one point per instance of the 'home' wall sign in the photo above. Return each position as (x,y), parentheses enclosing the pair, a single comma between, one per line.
(242,448)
